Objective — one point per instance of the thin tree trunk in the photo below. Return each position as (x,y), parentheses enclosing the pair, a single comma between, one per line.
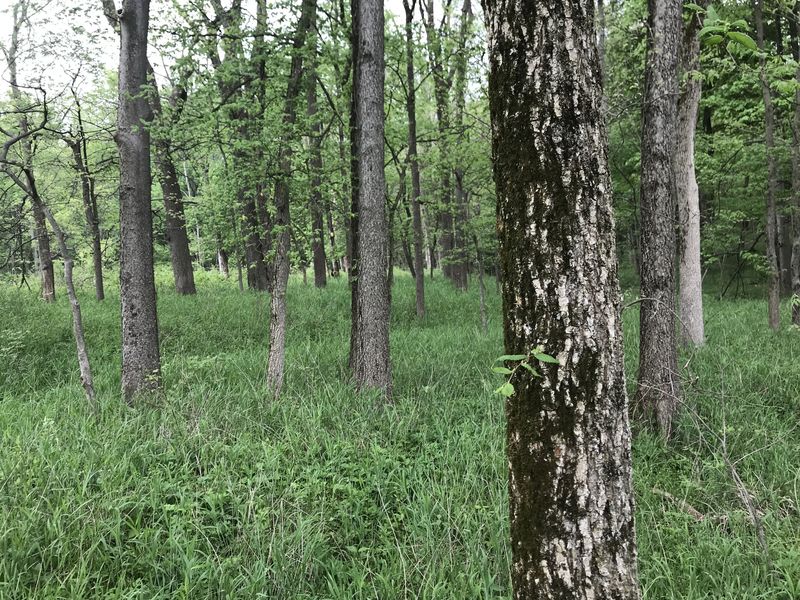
(315,166)
(482,287)
(658,390)
(687,192)
(352,217)
(177,236)
(46,269)
(794,30)
(413,158)
(81,164)
(568,436)
(373,369)
(773,302)
(77,319)
(277,321)
(461,252)
(441,88)
(141,361)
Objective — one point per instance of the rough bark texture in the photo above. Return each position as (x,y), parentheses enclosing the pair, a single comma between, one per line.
(141,362)
(658,389)
(315,166)
(373,368)
(568,437)
(774,286)
(351,217)
(687,192)
(416,192)
(282,226)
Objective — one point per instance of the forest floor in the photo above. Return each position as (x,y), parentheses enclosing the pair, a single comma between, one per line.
(221,493)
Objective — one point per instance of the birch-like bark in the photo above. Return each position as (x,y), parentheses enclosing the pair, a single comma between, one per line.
(658,390)
(568,436)
(688,194)
(774,287)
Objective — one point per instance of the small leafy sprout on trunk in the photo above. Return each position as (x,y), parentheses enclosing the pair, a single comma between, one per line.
(523,361)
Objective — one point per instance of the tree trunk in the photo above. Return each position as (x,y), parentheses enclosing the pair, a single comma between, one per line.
(352,216)
(568,436)
(373,369)
(795,261)
(315,166)
(441,92)
(413,158)
(461,252)
(481,286)
(658,390)
(42,247)
(77,319)
(688,195)
(282,225)
(141,362)
(177,236)
(774,299)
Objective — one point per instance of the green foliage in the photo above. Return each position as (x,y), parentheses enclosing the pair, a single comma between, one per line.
(221,493)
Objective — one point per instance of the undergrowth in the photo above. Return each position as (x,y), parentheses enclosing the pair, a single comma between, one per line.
(220,492)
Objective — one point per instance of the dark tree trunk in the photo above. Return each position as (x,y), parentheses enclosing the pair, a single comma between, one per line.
(774,288)
(568,436)
(416,192)
(352,216)
(373,369)
(334,261)
(141,363)
(46,269)
(282,225)
(658,390)
(81,165)
(177,236)
(315,166)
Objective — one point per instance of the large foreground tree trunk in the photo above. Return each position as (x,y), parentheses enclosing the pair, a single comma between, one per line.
(688,194)
(416,192)
(141,362)
(658,391)
(372,369)
(774,284)
(568,437)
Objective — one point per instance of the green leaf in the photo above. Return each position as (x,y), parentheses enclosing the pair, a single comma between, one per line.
(743,40)
(510,357)
(531,369)
(713,40)
(711,29)
(695,7)
(506,390)
(545,358)
(502,370)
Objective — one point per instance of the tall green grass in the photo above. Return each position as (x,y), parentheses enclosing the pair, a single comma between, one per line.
(221,492)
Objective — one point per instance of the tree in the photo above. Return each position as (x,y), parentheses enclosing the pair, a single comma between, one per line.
(568,436)
(658,389)
(774,284)
(277,321)
(372,367)
(315,166)
(141,360)
(795,45)
(42,239)
(687,191)
(413,158)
